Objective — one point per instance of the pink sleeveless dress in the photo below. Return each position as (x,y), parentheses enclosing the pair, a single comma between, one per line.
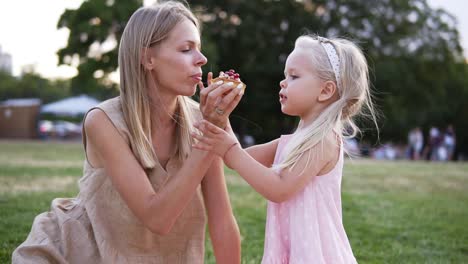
(308,228)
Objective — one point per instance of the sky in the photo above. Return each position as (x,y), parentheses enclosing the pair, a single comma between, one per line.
(28,32)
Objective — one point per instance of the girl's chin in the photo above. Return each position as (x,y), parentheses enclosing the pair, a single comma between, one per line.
(286,111)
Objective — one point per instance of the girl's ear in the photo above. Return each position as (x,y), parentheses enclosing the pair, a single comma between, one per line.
(147,60)
(327,92)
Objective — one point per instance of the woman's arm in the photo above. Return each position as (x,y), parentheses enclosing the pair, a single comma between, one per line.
(216,96)
(223,228)
(276,187)
(156,210)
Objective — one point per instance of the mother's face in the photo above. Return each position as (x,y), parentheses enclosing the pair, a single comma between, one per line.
(178,60)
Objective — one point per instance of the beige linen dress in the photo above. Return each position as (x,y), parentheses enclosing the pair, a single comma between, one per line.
(98,227)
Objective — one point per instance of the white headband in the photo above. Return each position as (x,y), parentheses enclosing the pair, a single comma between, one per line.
(333,58)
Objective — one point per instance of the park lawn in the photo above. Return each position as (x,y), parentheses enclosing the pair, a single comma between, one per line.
(394,212)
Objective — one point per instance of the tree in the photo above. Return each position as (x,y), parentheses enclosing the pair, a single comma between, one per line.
(95,29)
(32,85)
(410,47)
(413,51)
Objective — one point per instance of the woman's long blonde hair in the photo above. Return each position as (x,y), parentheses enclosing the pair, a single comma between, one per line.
(354,98)
(148,26)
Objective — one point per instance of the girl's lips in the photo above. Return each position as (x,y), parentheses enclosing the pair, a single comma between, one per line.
(282,98)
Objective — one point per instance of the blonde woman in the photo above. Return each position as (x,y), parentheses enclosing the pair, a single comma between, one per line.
(144,191)
(326,85)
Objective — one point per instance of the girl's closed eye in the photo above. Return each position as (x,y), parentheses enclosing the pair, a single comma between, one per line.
(291,75)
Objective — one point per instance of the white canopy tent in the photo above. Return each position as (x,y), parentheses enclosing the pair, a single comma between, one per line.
(72,106)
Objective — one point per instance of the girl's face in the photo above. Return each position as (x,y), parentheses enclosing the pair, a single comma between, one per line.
(178,61)
(301,87)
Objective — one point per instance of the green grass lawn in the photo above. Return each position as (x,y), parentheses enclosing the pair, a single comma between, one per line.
(394,212)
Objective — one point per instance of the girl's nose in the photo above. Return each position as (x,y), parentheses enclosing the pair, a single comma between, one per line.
(283,84)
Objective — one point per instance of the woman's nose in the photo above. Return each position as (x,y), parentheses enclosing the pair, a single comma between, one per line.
(201,59)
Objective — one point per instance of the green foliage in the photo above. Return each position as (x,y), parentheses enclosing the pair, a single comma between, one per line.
(31,85)
(92,26)
(255,37)
(414,53)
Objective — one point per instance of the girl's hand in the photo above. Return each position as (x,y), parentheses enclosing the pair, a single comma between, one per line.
(218,101)
(213,138)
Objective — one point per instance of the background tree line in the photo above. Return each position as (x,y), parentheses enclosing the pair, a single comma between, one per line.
(418,71)
(32,85)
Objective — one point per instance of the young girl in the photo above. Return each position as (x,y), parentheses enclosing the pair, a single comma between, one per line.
(144,190)
(326,84)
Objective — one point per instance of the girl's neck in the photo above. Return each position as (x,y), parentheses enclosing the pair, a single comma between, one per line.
(310,116)
(308,119)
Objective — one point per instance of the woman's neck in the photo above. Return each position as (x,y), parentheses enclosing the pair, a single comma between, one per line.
(163,108)
(163,113)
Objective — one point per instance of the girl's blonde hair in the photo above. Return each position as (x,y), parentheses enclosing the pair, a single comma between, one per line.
(338,117)
(149,26)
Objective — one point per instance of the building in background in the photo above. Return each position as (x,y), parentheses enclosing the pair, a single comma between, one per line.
(19,117)
(6,64)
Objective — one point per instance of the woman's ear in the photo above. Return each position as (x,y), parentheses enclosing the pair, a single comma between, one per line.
(327,92)
(147,60)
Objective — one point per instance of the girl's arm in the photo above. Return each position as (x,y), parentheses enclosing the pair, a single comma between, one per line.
(224,232)
(276,187)
(263,153)
(158,211)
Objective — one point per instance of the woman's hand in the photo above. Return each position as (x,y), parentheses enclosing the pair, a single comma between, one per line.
(213,138)
(218,100)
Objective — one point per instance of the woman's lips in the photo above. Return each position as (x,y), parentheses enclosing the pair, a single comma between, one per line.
(197,77)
